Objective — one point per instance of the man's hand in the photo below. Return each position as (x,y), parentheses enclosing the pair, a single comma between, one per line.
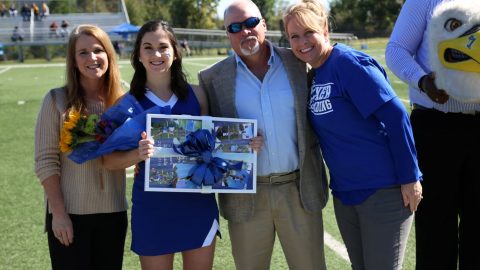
(427,85)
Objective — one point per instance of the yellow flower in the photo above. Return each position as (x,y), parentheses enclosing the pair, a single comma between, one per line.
(66,137)
(74,116)
(64,147)
(65,140)
(68,125)
(77,129)
(72,121)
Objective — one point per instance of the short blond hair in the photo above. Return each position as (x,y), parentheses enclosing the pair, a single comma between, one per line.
(311,14)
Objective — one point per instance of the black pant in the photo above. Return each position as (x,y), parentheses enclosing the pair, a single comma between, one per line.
(446,222)
(98,242)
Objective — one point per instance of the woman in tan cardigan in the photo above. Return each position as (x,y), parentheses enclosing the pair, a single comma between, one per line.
(86,219)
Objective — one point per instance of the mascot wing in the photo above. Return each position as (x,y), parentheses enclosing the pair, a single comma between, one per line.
(454,40)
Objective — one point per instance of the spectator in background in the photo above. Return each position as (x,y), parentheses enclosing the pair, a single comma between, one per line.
(3,11)
(12,10)
(53,30)
(35,11)
(45,11)
(17,34)
(64,28)
(25,12)
(116,46)
(185,47)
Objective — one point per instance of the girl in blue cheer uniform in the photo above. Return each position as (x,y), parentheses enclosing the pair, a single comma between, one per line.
(164,223)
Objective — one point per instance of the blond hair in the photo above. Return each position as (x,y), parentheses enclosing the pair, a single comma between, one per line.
(111,88)
(311,14)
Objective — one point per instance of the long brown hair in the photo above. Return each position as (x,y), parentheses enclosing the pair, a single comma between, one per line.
(179,84)
(111,88)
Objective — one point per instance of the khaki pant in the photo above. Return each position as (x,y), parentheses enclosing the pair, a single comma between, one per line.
(278,211)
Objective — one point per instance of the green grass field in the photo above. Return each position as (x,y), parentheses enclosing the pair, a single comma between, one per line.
(23,245)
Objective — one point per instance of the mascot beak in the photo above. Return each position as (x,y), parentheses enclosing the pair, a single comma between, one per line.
(462,53)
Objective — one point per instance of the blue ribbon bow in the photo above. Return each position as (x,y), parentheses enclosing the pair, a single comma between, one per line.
(209,170)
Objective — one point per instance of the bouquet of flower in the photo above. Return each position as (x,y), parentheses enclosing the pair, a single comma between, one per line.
(77,129)
(119,128)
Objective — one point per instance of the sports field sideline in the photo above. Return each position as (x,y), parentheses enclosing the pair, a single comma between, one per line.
(22,243)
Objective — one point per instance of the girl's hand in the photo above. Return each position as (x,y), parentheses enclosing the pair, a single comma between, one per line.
(145,147)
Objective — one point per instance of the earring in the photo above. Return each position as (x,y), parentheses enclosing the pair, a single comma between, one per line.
(139,60)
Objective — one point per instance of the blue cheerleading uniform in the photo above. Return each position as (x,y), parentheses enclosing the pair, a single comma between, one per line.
(169,222)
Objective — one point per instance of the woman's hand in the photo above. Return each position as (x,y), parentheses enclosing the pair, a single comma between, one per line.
(412,195)
(62,228)
(145,147)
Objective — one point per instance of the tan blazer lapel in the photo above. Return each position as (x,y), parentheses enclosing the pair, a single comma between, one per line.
(224,85)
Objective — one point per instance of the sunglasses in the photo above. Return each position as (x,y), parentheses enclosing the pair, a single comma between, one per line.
(248,23)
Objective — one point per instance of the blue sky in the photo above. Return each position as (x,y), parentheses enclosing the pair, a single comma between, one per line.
(224,3)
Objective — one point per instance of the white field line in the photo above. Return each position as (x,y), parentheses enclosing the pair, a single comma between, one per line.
(195,64)
(406,101)
(377,52)
(125,83)
(186,59)
(129,172)
(122,62)
(35,65)
(5,70)
(336,246)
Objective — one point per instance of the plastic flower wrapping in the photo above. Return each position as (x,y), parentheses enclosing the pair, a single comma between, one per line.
(118,129)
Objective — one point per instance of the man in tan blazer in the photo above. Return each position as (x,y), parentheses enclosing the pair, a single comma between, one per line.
(269,84)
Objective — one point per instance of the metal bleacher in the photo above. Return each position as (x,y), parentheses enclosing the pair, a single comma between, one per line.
(207,38)
(41,34)
(38,33)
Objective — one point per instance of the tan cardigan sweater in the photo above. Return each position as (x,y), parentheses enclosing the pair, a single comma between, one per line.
(87,188)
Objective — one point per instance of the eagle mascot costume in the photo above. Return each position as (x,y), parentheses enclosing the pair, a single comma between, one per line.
(454,40)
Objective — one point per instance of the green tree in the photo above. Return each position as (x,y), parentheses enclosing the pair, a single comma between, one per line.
(276,21)
(267,9)
(136,12)
(179,13)
(72,6)
(194,13)
(62,7)
(141,11)
(90,6)
(204,17)
(364,17)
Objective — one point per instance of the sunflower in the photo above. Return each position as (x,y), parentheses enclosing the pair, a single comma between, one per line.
(67,134)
